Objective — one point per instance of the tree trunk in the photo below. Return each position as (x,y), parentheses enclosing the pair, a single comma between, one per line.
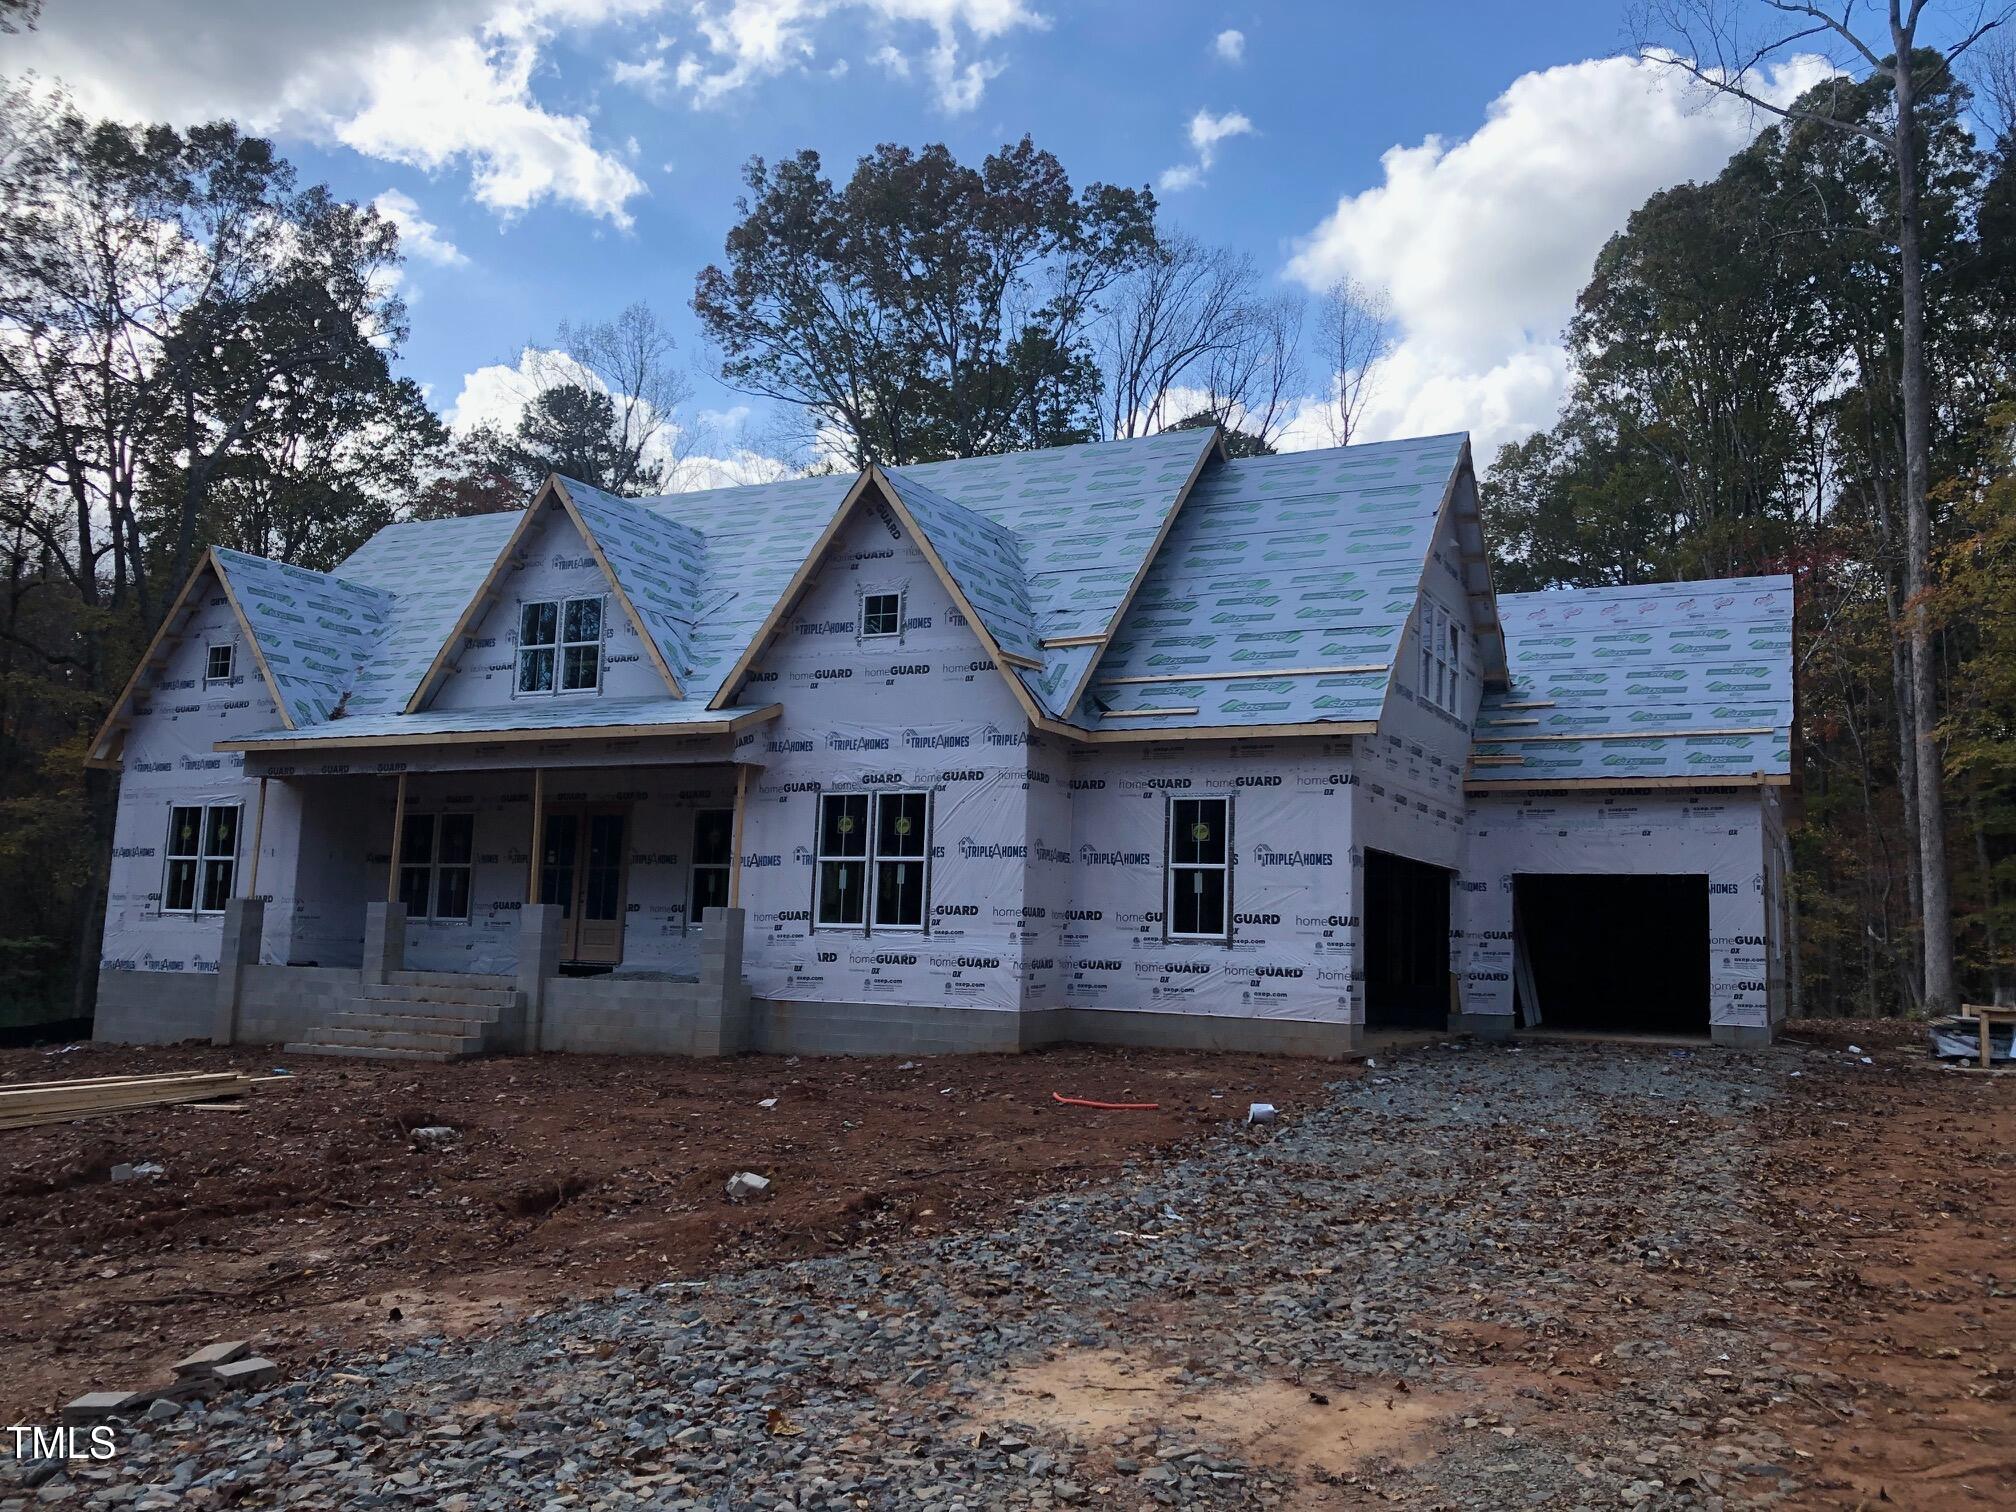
(1935,901)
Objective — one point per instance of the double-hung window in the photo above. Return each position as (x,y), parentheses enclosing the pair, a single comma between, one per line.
(1440,640)
(560,645)
(713,855)
(434,856)
(874,849)
(1200,869)
(202,859)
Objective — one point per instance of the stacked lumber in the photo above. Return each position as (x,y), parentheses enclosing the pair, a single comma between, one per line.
(25,1104)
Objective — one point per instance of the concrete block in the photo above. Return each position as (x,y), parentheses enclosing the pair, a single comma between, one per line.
(95,1406)
(384,941)
(1483,1026)
(539,936)
(206,1360)
(244,928)
(1741,1036)
(255,1371)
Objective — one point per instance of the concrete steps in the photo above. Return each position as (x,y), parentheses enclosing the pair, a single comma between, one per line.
(475,979)
(415,1016)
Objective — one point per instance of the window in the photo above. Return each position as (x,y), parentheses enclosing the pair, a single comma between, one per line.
(881,614)
(1440,640)
(713,855)
(434,852)
(1200,873)
(220,664)
(873,870)
(202,859)
(563,637)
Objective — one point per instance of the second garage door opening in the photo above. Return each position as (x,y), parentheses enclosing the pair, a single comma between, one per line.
(1623,954)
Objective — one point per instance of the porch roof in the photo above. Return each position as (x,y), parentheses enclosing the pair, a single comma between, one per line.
(552,719)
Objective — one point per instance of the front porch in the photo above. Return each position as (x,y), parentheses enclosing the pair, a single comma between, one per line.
(466,906)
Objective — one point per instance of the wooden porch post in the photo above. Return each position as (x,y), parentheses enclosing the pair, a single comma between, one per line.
(538,831)
(398,836)
(735,837)
(258,832)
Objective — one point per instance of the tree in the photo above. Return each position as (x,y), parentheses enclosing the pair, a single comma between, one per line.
(1707,40)
(1238,443)
(1354,327)
(575,431)
(182,332)
(894,313)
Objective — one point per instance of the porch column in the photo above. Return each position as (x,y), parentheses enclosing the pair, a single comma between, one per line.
(384,942)
(398,841)
(722,1024)
(735,838)
(538,963)
(244,924)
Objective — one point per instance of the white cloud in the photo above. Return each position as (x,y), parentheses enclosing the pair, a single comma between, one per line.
(648,77)
(1230,46)
(1482,244)
(713,453)
(418,236)
(431,83)
(1206,132)
(741,42)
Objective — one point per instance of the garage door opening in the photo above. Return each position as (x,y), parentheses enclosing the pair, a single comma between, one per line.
(1406,943)
(1626,955)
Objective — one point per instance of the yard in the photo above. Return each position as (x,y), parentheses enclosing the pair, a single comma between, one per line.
(1551,1275)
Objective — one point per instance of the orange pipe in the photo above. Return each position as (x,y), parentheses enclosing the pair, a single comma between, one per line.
(1086,1102)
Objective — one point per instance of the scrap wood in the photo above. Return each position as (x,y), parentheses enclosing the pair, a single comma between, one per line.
(60,1102)
(1110,1107)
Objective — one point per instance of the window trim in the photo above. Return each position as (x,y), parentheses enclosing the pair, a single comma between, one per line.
(861,623)
(870,860)
(1171,867)
(1439,636)
(434,866)
(559,645)
(230,671)
(695,865)
(200,858)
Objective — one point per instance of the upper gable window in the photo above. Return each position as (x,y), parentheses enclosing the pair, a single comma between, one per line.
(560,645)
(220,664)
(1440,641)
(881,614)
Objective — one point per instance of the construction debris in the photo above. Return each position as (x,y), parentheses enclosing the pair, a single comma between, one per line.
(30,1103)
(747,1184)
(1260,1113)
(145,1170)
(225,1365)
(436,1136)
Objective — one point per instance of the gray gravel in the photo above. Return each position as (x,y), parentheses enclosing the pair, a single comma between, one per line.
(1528,1239)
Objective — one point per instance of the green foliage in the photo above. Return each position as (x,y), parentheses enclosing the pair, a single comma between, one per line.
(927,309)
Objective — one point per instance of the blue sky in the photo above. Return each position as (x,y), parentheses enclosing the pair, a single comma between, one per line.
(558,159)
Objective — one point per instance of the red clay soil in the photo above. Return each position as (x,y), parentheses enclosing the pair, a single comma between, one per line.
(313,1219)
(1897,1188)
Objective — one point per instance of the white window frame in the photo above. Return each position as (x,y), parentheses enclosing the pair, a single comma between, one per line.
(434,867)
(697,866)
(559,646)
(202,859)
(1173,870)
(870,859)
(895,632)
(1439,635)
(210,660)
(876,861)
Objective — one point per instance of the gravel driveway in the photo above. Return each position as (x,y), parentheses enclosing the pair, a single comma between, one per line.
(1473,1277)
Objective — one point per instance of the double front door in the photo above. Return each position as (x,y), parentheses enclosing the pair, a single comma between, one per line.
(583,868)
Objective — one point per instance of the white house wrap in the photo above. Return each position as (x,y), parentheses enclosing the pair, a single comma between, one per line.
(1122,742)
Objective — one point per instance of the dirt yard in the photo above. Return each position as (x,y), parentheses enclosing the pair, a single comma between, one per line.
(312,1218)
(1551,1275)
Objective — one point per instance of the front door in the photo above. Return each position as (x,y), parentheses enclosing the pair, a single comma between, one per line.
(583,868)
